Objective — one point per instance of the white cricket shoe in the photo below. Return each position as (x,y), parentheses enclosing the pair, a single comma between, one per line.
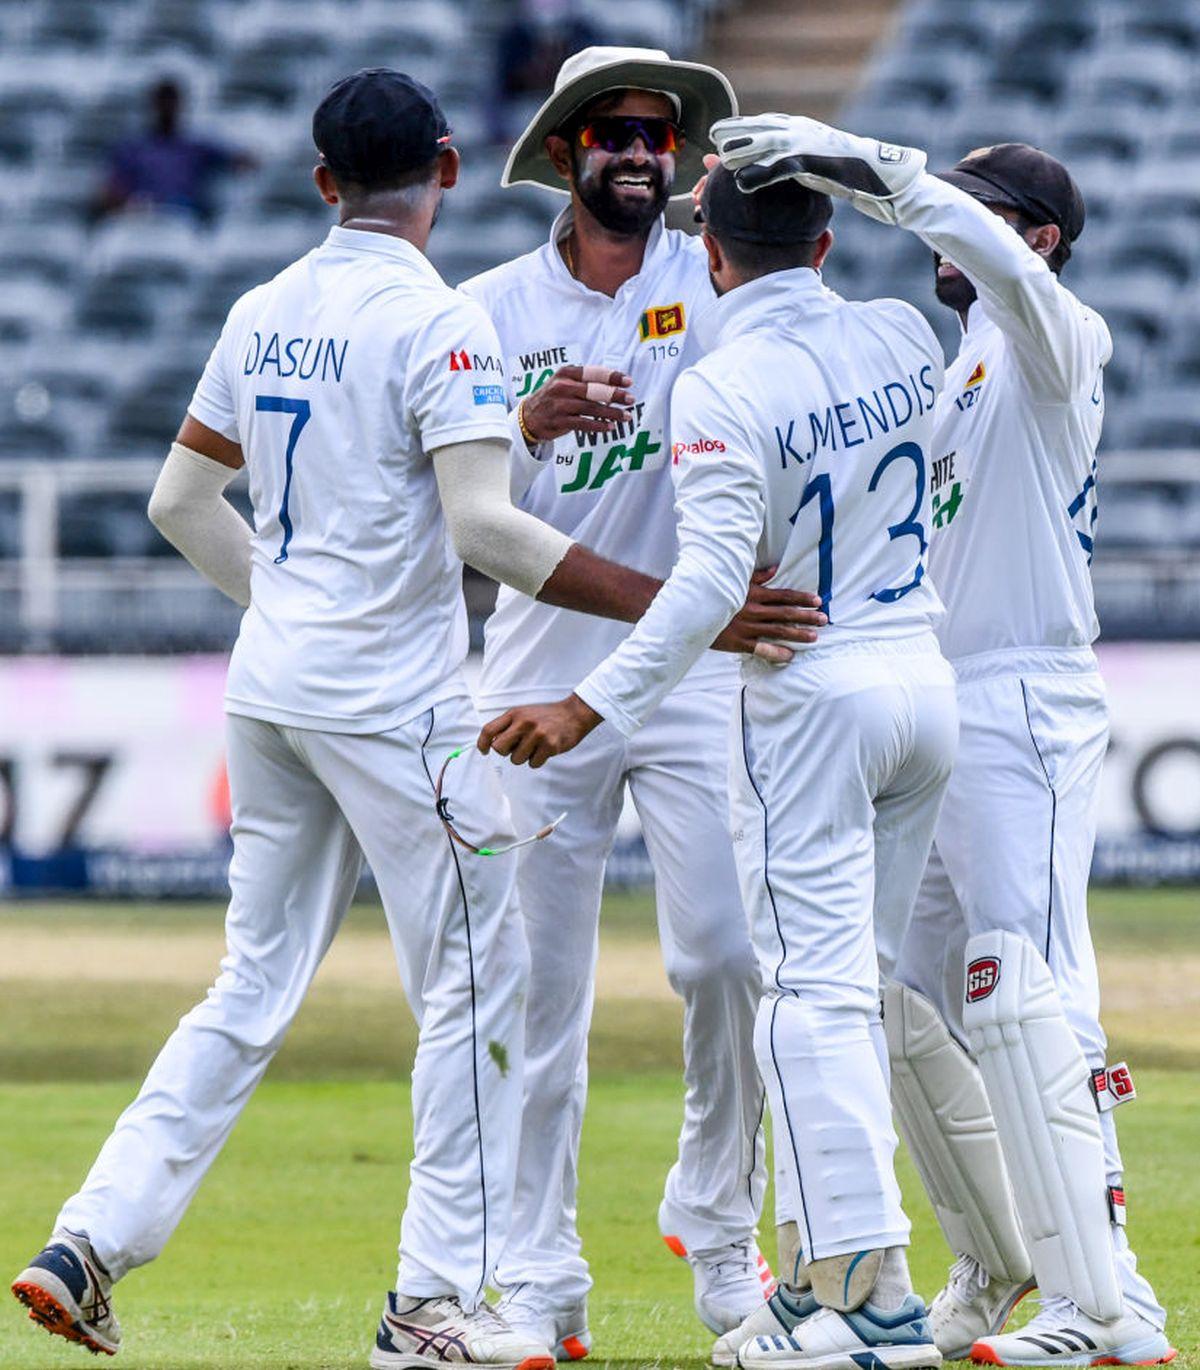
(972,1305)
(1061,1334)
(867,1339)
(781,1313)
(730,1282)
(67,1291)
(440,1331)
(564,1330)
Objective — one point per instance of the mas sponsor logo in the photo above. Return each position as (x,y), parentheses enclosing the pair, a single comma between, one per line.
(983,975)
(695,449)
(489,394)
(474,361)
(661,322)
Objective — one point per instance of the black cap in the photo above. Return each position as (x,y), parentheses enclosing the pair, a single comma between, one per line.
(1026,178)
(783,213)
(376,125)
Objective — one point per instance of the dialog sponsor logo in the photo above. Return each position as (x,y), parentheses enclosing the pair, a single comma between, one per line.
(695,449)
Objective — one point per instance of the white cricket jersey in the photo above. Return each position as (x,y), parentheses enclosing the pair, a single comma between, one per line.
(338,378)
(1014,469)
(611,492)
(801,440)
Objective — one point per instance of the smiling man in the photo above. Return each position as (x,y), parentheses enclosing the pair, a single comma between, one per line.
(594,328)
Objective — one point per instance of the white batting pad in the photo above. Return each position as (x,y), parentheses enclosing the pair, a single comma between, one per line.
(1037,1081)
(946,1119)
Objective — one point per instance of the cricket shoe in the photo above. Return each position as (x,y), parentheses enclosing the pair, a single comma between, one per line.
(730,1282)
(867,1339)
(1062,1334)
(67,1290)
(439,1331)
(528,1313)
(782,1312)
(972,1305)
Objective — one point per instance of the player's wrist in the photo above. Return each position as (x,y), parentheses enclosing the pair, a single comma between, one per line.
(582,712)
(527,431)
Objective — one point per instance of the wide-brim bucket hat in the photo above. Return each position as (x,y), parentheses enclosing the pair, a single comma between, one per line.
(703,95)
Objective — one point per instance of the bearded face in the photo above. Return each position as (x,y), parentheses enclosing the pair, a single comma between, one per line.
(951,286)
(626,191)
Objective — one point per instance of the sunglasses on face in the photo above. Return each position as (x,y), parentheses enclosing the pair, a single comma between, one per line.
(614,133)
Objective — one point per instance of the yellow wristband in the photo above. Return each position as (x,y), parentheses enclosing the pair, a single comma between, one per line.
(530,440)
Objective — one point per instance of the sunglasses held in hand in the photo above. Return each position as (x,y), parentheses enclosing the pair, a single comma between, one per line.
(442,805)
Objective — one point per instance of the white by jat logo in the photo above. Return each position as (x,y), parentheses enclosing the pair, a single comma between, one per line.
(889,152)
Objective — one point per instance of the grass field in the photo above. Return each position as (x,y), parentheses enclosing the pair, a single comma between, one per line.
(285,1255)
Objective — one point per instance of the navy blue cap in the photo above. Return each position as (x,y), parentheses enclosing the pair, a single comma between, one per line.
(1026,178)
(778,214)
(373,127)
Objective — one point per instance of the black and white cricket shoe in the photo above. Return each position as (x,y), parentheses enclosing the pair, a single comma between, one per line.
(1061,1334)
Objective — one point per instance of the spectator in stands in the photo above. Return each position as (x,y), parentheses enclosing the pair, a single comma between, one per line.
(165,167)
(538,38)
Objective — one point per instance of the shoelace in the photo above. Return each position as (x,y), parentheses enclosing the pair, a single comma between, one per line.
(967,1278)
(741,1257)
(1055,1310)
(486,1319)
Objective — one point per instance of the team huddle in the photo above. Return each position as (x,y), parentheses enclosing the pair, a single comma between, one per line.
(820,602)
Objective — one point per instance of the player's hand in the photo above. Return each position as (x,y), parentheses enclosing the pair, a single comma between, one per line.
(766,148)
(592,399)
(534,733)
(775,614)
(710,160)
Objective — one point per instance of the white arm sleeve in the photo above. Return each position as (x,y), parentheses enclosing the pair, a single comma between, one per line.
(488,533)
(720,507)
(189,508)
(524,464)
(1058,343)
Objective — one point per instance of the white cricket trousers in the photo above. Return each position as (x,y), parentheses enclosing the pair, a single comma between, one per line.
(305,805)
(840,762)
(1013,850)
(676,769)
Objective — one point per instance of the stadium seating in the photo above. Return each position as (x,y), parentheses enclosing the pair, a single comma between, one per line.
(103,328)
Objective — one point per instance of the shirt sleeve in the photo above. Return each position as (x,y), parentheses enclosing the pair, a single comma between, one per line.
(455,377)
(214,402)
(720,506)
(1058,343)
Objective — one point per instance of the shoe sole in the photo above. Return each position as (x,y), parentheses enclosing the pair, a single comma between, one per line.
(964,1352)
(50,1312)
(1131,1355)
(892,1357)
(575,1347)
(400,1361)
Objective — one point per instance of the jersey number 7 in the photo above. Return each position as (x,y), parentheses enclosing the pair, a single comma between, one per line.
(301,412)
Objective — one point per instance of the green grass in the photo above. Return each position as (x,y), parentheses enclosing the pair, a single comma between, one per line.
(284,1257)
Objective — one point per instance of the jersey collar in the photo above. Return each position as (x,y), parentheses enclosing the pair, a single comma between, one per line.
(380,245)
(757,304)
(656,247)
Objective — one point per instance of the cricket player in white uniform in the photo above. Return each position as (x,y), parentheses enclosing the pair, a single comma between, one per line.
(802,441)
(1015,1141)
(377,459)
(615,289)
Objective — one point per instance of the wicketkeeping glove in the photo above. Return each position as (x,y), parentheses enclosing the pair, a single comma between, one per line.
(766,148)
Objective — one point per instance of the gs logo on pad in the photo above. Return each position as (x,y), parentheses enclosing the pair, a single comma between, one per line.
(983,975)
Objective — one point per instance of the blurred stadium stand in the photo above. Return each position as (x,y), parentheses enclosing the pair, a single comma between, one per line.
(104,328)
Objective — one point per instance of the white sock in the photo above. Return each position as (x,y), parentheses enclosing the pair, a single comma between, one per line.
(894,1284)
